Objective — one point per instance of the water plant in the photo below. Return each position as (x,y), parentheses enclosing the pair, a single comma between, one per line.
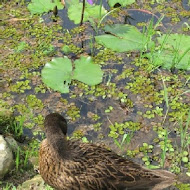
(118,129)
(17,160)
(122,38)
(185,139)
(125,140)
(81,12)
(58,73)
(17,128)
(172,52)
(24,53)
(41,6)
(109,109)
(9,186)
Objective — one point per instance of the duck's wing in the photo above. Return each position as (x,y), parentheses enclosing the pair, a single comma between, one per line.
(109,171)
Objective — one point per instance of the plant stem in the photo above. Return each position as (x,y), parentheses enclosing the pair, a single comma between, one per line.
(100,11)
(82,14)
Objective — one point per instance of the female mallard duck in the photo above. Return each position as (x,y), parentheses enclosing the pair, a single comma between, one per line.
(73,165)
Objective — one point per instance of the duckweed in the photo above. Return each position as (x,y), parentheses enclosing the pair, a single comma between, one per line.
(126,73)
(20,86)
(77,134)
(39,119)
(41,38)
(132,153)
(34,102)
(146,148)
(95,117)
(40,88)
(119,128)
(97,126)
(109,109)
(73,112)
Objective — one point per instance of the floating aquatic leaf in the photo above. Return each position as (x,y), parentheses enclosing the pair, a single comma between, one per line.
(57,74)
(91,11)
(122,37)
(88,72)
(42,6)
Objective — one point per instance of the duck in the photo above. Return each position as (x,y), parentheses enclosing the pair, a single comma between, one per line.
(73,165)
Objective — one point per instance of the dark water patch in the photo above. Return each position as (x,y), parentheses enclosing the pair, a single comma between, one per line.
(186,4)
(104,3)
(28,132)
(142,16)
(66,22)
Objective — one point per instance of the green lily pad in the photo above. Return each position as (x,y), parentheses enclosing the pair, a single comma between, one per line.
(91,11)
(87,72)
(121,2)
(42,6)
(57,74)
(122,37)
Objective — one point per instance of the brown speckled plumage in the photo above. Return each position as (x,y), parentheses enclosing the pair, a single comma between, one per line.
(73,165)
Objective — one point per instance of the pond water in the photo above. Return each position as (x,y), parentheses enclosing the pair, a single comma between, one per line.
(129,92)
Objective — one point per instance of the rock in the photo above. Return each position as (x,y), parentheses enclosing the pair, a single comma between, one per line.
(36,183)
(12,143)
(6,157)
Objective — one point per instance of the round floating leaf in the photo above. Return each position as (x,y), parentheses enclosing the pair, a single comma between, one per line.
(42,6)
(88,72)
(91,11)
(57,74)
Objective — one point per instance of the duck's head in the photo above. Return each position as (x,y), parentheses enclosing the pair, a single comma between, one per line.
(55,123)
(55,130)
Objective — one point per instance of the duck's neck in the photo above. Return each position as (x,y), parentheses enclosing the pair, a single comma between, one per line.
(58,142)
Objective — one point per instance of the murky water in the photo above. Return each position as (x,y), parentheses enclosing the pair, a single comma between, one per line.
(52,100)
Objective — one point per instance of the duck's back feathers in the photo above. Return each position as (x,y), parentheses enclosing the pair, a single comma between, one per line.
(91,167)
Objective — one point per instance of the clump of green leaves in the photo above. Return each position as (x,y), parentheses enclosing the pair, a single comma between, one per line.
(174,52)
(73,112)
(58,73)
(10,125)
(21,86)
(34,102)
(126,139)
(97,126)
(146,148)
(77,134)
(182,186)
(119,128)
(109,109)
